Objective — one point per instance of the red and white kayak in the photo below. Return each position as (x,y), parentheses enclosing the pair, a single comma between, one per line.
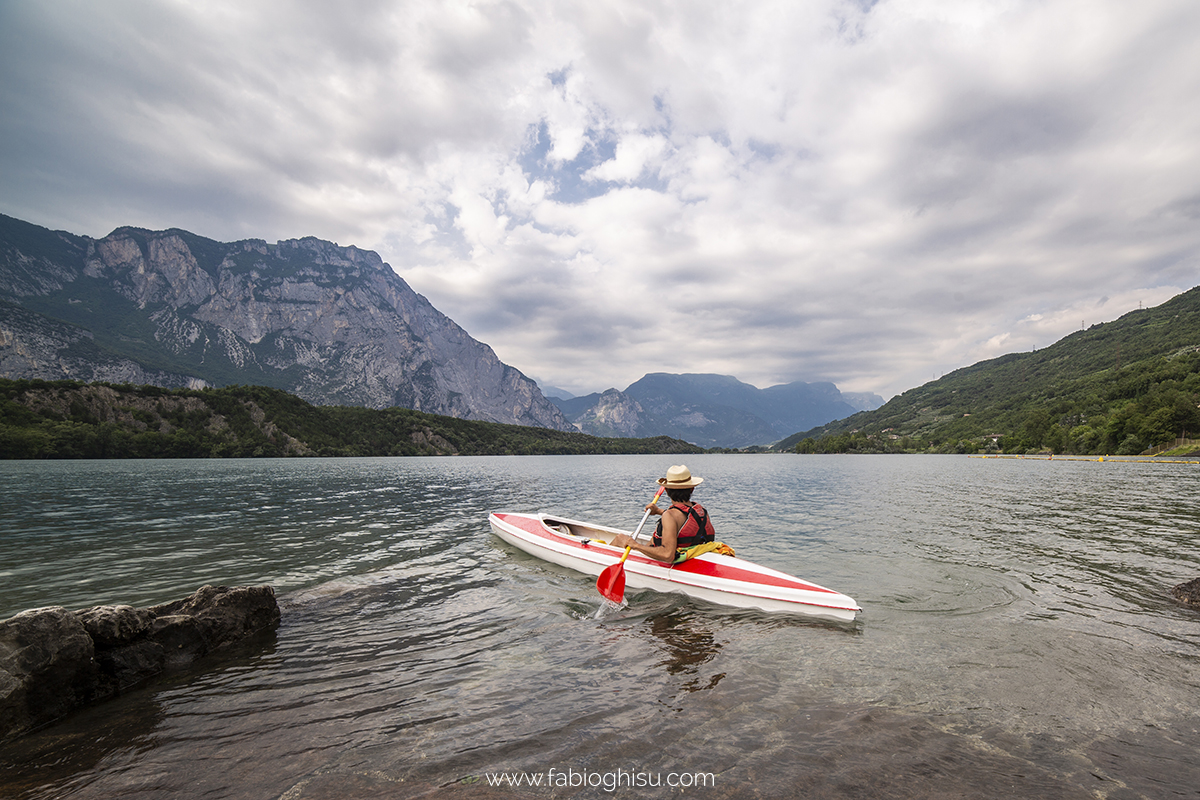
(717,578)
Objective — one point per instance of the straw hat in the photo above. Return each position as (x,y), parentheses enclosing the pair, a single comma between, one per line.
(679,477)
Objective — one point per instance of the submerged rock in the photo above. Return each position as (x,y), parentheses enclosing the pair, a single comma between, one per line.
(224,614)
(46,667)
(1188,592)
(53,660)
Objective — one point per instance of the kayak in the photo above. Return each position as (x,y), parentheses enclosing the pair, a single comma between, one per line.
(717,578)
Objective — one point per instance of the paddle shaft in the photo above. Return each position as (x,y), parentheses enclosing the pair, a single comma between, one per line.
(611,582)
(645,517)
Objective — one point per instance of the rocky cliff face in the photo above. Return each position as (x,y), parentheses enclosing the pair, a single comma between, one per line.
(334,325)
(613,413)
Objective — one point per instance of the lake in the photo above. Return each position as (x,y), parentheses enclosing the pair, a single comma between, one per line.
(1018,637)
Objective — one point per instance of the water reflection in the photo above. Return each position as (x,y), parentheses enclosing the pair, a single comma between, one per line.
(66,758)
(688,643)
(51,762)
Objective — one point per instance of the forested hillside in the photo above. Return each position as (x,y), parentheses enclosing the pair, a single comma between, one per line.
(1117,388)
(68,419)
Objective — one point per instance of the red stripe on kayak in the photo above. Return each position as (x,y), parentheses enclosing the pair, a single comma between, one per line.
(523,522)
(773,597)
(534,525)
(692,566)
(696,566)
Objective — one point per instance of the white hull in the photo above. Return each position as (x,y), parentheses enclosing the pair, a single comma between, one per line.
(729,581)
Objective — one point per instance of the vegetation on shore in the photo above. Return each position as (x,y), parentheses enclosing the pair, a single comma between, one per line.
(70,419)
(1119,388)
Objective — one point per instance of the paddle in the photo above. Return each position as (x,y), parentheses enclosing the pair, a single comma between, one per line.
(611,582)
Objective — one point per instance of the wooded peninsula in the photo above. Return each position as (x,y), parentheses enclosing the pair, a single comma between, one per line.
(70,419)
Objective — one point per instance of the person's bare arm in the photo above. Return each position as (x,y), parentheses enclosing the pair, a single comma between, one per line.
(672,520)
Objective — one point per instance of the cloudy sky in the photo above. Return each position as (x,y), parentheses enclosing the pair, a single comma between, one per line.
(870,193)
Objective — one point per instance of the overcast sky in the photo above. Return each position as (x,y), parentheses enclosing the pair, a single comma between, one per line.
(869,193)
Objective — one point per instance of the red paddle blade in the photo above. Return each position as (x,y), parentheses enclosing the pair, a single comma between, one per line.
(611,583)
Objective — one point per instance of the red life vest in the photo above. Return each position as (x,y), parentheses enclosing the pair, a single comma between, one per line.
(696,529)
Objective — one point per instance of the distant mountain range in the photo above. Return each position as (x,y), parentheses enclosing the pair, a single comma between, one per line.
(333,325)
(711,410)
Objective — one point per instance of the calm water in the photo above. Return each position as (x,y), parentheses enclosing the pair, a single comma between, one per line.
(1018,638)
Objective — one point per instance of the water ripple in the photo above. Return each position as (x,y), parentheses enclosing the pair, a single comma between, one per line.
(1016,624)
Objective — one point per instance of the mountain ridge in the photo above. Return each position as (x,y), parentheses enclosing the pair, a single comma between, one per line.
(707,409)
(333,325)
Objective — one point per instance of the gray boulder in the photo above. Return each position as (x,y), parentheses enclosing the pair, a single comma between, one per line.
(53,660)
(46,667)
(113,626)
(223,614)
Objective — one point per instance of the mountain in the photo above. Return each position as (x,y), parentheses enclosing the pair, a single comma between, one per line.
(608,413)
(333,325)
(1119,387)
(863,401)
(555,392)
(709,410)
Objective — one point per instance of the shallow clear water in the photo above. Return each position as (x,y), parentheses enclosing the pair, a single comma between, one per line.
(1018,639)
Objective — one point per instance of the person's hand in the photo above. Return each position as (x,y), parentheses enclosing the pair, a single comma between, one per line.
(622,540)
(653,508)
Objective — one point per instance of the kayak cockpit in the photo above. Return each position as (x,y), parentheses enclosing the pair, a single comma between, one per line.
(578,530)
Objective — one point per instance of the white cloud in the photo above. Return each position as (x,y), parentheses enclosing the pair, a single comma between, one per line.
(634,154)
(873,194)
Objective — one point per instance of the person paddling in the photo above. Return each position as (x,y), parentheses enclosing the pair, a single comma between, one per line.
(685,524)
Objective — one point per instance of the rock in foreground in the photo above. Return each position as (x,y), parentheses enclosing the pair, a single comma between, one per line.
(1188,592)
(53,660)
